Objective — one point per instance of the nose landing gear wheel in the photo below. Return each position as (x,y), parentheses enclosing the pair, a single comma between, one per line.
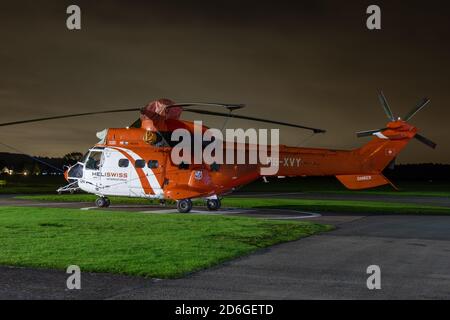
(102,202)
(184,205)
(213,204)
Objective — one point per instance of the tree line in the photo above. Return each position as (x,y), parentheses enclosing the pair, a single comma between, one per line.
(20,163)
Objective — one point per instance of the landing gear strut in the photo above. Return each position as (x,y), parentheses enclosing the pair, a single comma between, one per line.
(213,204)
(102,202)
(184,205)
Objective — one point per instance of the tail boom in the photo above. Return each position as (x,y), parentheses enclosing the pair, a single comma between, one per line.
(356,169)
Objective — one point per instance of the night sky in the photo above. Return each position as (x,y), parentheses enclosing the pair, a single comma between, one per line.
(315,64)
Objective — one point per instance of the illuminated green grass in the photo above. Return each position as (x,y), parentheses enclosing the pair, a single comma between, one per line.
(330,185)
(153,245)
(337,206)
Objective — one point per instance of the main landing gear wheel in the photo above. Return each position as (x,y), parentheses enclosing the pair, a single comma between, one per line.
(184,206)
(102,202)
(213,204)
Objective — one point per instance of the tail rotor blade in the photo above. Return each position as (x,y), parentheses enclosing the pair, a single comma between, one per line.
(385,106)
(367,133)
(425,141)
(419,107)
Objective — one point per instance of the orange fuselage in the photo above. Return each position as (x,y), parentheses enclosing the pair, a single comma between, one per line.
(356,169)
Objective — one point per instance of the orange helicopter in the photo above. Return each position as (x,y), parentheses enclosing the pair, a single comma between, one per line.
(136,161)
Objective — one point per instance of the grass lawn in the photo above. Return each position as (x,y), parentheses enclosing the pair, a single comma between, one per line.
(30,184)
(337,206)
(49,184)
(27,189)
(297,204)
(159,245)
(431,193)
(332,185)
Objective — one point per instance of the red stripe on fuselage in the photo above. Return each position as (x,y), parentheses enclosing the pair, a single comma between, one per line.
(141,174)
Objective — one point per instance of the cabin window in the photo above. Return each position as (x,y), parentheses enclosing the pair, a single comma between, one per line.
(152,164)
(140,163)
(123,163)
(93,162)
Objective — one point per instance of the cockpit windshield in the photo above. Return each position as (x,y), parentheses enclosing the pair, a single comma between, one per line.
(83,160)
(94,160)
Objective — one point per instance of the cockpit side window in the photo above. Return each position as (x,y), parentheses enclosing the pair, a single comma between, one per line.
(123,163)
(94,160)
(140,163)
(152,164)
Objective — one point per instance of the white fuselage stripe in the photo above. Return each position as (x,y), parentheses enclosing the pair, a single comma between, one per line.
(154,183)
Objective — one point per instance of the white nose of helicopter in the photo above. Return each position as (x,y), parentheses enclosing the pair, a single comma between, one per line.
(74,172)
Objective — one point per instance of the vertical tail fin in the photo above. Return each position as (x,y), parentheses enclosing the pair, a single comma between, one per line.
(377,154)
(382,150)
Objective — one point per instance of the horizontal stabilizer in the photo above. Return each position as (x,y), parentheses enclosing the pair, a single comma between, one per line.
(363,181)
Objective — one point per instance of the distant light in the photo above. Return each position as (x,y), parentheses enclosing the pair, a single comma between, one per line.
(127,128)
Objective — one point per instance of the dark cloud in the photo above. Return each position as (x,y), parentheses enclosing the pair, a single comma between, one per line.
(313,63)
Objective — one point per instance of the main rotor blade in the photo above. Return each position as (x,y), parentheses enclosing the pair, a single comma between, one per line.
(419,107)
(385,106)
(367,133)
(229,106)
(67,116)
(425,141)
(231,115)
